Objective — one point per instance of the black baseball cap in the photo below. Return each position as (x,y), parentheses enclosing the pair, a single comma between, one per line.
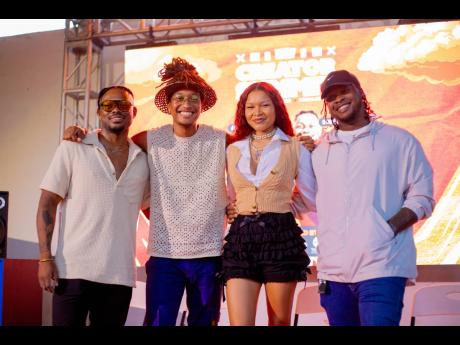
(340,77)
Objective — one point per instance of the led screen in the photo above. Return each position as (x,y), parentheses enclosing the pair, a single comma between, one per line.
(410,74)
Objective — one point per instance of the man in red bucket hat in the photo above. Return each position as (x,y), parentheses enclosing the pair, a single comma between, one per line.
(188,200)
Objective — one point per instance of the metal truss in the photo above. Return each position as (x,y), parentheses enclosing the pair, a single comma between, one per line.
(108,32)
(81,79)
(86,38)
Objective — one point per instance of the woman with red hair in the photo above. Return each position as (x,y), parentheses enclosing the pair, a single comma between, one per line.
(264,245)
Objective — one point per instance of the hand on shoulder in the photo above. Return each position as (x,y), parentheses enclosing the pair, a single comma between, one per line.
(307,141)
(140,139)
(75,133)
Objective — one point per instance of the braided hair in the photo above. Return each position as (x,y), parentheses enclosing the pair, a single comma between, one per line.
(180,71)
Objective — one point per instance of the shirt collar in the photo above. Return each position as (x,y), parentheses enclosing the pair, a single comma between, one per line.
(92,138)
(280,135)
(370,128)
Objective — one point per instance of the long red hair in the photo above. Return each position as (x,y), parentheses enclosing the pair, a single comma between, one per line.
(282,121)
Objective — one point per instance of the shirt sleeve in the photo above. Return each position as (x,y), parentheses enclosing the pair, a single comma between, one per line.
(419,191)
(59,173)
(305,190)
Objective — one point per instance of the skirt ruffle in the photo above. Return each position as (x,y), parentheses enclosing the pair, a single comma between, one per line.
(269,238)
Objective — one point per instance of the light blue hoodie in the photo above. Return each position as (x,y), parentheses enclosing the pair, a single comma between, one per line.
(360,186)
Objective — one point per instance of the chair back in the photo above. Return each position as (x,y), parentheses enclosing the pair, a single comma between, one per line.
(308,302)
(437,300)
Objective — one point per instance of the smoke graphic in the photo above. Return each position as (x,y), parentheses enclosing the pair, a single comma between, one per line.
(428,52)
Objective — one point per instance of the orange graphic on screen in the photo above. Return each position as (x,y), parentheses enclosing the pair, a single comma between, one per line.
(411,74)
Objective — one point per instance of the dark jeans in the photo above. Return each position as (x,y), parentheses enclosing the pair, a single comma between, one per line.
(107,304)
(373,302)
(166,281)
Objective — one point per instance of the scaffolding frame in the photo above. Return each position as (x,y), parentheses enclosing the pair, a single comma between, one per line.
(86,38)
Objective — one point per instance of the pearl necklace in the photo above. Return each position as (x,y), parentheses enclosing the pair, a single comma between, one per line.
(263,136)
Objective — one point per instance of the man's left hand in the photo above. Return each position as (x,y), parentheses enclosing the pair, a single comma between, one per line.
(307,142)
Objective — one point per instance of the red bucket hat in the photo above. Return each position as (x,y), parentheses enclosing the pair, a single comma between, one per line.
(178,75)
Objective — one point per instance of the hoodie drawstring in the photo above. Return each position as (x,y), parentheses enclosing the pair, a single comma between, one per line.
(327,155)
(373,131)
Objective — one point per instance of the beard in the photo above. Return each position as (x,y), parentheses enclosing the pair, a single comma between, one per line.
(116,129)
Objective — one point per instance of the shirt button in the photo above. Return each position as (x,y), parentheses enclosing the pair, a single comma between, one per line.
(254,207)
(255,188)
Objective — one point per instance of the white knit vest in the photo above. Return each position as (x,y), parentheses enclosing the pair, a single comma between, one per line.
(188,193)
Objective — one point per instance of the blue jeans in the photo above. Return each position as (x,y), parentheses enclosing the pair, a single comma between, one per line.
(166,281)
(373,302)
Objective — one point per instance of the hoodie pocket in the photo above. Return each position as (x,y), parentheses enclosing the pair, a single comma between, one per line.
(383,231)
(331,236)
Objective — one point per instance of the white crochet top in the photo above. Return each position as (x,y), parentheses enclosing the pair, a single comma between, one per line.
(188,193)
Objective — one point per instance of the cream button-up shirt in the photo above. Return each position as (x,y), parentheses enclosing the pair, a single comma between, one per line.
(97,228)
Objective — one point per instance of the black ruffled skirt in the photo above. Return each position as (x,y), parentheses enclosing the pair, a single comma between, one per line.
(265,247)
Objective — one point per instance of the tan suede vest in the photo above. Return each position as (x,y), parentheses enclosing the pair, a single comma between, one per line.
(275,192)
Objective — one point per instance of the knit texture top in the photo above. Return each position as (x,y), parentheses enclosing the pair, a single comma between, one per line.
(188,193)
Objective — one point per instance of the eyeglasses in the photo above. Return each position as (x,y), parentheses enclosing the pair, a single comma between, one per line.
(110,105)
(194,99)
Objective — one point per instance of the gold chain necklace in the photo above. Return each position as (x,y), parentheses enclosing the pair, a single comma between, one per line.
(116,150)
(255,151)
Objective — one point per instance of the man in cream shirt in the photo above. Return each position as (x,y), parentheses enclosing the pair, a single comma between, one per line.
(101,185)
